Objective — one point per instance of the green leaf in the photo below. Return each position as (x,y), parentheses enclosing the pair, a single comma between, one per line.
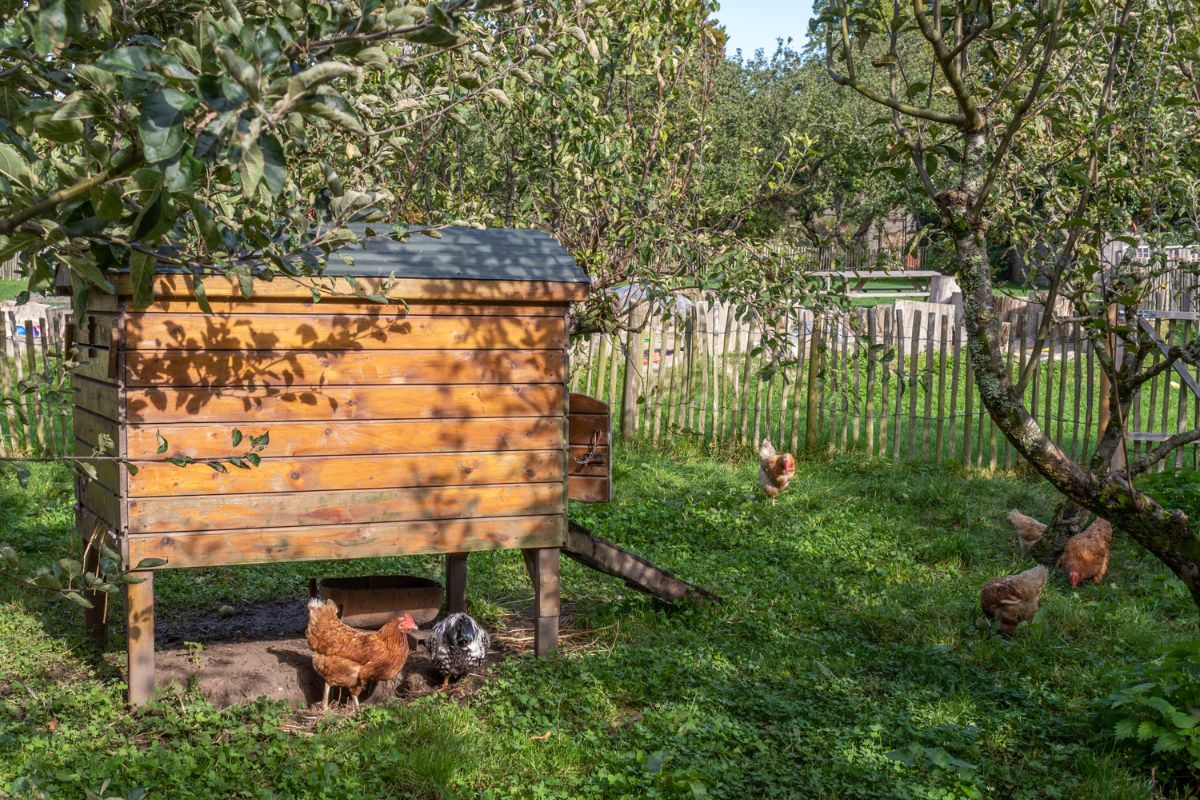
(133,60)
(85,267)
(12,164)
(252,169)
(150,563)
(202,297)
(70,567)
(106,202)
(62,131)
(237,437)
(78,599)
(78,105)
(217,466)
(48,580)
(141,273)
(161,124)
(274,166)
(48,28)
(304,82)
(100,11)
(162,443)
(433,35)
(254,458)
(500,96)
(333,108)
(133,469)
(240,69)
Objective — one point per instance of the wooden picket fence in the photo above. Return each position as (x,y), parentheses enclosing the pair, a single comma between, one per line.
(35,392)
(891,381)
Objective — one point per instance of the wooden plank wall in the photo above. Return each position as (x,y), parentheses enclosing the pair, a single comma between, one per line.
(436,428)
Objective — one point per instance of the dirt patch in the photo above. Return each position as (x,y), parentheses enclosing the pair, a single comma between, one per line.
(260,651)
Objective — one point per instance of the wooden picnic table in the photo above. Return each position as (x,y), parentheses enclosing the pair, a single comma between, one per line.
(919,278)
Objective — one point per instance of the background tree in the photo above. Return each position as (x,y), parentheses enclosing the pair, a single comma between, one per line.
(1058,119)
(227,138)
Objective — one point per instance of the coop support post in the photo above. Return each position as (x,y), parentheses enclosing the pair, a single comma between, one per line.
(95,625)
(456,582)
(542,565)
(139,614)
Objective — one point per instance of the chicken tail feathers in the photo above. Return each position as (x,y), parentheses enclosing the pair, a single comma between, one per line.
(766,449)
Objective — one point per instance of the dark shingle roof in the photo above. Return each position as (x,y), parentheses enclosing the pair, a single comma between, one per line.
(460,253)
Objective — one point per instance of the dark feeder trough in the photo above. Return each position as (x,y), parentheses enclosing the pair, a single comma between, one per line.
(369,601)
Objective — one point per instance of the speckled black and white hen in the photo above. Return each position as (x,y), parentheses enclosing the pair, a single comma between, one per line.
(458,644)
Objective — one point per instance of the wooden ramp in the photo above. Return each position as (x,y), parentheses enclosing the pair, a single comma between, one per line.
(638,573)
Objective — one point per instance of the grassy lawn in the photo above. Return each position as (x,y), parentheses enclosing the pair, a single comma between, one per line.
(850,629)
(9,289)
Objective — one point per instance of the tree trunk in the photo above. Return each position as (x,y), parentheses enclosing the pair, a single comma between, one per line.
(1069,519)
(1168,535)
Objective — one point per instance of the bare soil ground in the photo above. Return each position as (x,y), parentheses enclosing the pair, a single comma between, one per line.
(260,651)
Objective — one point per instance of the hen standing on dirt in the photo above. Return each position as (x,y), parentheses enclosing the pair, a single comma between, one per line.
(775,472)
(458,645)
(351,658)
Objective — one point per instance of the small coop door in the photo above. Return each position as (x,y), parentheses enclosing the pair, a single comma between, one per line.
(590,469)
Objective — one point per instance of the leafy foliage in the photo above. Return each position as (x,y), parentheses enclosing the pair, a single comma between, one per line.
(1158,713)
(211,136)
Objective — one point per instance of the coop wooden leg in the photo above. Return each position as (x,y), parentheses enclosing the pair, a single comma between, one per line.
(456,582)
(543,569)
(139,610)
(95,619)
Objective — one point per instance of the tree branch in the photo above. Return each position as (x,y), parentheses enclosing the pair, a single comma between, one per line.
(1019,115)
(1159,453)
(850,80)
(133,158)
(971,118)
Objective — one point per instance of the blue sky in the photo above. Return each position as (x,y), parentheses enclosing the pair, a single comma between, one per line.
(752,24)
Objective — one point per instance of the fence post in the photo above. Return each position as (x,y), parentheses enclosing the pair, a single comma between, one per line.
(815,368)
(633,373)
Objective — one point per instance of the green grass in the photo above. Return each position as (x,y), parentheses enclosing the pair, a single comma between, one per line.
(850,629)
(9,289)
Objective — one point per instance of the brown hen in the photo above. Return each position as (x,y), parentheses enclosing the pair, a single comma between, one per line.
(775,471)
(350,658)
(1029,530)
(1086,554)
(1013,599)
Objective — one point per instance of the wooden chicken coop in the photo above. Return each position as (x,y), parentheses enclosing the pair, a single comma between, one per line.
(442,424)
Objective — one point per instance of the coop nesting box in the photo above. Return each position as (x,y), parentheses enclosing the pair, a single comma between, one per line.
(439,426)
